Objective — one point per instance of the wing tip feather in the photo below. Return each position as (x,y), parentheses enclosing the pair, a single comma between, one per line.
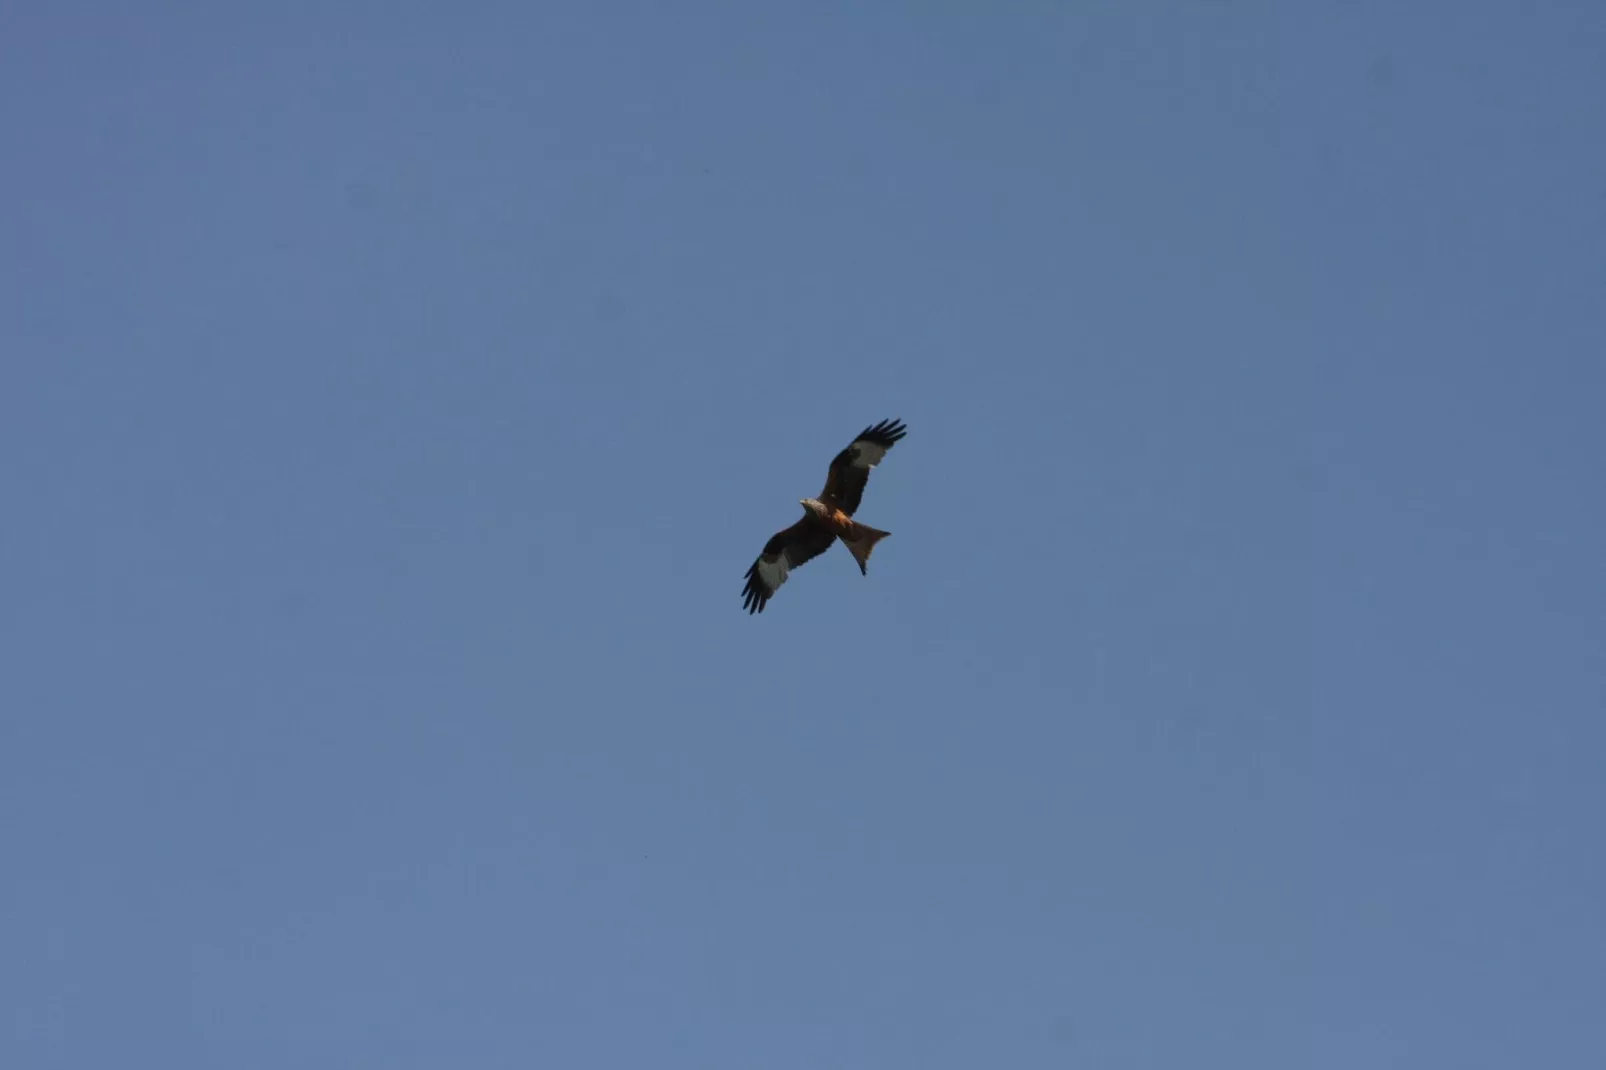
(884,433)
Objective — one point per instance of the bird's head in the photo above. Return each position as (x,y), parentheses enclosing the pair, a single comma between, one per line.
(812,506)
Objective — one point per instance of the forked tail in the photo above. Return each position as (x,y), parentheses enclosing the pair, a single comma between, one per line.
(860,540)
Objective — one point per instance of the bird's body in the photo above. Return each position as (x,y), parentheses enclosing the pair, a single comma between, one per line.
(829,515)
(826,518)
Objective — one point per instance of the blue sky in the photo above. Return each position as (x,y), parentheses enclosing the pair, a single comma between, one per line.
(392,397)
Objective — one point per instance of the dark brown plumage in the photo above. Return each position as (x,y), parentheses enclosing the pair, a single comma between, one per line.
(826,519)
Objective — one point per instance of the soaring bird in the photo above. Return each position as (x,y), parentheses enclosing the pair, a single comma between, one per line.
(826,518)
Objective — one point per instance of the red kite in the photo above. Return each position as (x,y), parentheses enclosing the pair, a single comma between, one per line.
(825,519)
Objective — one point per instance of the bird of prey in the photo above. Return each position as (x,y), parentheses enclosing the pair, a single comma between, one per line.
(826,518)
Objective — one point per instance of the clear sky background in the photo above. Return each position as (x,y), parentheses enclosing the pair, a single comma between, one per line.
(393,395)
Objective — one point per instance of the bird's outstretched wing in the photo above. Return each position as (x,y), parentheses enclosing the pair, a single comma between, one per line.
(850,469)
(786,550)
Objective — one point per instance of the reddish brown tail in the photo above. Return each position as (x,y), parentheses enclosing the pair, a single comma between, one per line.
(860,540)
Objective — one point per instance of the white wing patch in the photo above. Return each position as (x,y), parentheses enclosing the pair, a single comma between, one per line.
(867,454)
(772,572)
